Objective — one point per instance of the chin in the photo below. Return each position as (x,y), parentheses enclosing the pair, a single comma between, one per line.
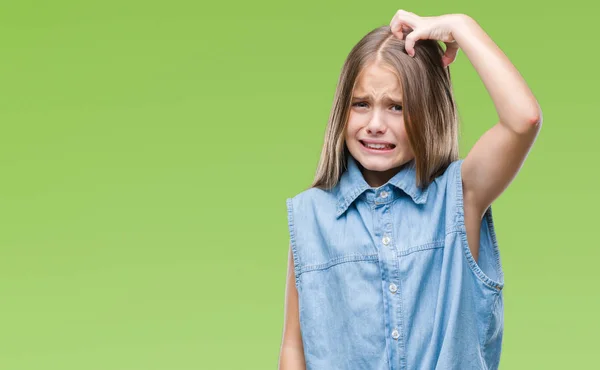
(377,164)
(381,164)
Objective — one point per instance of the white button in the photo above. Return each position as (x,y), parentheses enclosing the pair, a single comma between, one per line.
(385,240)
(395,334)
(393,288)
(384,194)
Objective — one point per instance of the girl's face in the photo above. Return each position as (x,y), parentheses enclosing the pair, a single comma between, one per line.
(376,116)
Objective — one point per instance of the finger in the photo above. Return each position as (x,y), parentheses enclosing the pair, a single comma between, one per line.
(450,53)
(402,31)
(403,20)
(407,17)
(452,46)
(411,39)
(446,60)
(398,28)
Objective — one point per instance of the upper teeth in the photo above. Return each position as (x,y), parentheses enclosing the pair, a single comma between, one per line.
(378,146)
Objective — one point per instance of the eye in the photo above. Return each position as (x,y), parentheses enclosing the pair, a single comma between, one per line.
(357,104)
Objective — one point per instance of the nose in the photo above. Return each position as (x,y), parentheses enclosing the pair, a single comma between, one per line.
(376,124)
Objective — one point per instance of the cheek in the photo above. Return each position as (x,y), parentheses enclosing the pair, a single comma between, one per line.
(352,127)
(403,138)
(400,133)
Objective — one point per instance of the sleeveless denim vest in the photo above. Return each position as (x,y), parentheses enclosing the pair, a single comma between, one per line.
(386,280)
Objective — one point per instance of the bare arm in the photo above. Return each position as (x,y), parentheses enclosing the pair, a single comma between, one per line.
(498,155)
(496,158)
(291,355)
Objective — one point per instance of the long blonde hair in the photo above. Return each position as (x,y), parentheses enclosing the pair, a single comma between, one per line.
(430,114)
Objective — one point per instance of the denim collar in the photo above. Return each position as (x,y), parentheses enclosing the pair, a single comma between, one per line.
(352,184)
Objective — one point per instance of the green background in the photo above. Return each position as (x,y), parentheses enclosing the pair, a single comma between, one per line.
(147,149)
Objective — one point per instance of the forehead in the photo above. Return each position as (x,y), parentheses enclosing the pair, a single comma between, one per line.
(377,80)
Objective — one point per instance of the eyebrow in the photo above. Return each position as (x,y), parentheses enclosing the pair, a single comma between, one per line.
(368,96)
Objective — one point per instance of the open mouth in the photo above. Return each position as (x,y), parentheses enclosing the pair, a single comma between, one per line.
(382,147)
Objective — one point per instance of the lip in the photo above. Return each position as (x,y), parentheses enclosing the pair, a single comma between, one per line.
(376,151)
(376,142)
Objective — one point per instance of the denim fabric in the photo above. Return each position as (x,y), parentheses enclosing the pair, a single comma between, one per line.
(386,280)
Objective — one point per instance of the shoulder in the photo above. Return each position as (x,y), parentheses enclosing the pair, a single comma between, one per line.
(446,183)
(313,196)
(455,212)
(313,207)
(453,170)
(445,195)
(453,179)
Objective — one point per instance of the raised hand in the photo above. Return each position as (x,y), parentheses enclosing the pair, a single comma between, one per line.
(411,27)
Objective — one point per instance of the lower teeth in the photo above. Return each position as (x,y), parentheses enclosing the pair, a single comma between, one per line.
(386,148)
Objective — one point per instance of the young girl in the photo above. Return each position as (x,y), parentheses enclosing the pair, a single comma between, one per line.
(393,258)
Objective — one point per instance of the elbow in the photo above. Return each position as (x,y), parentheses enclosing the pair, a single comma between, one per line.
(536,119)
(530,124)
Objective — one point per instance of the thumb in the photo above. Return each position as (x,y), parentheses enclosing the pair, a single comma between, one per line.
(450,53)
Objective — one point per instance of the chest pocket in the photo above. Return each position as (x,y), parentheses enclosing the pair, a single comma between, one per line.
(412,227)
(329,241)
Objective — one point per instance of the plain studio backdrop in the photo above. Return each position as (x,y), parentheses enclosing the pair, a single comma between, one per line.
(147,149)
